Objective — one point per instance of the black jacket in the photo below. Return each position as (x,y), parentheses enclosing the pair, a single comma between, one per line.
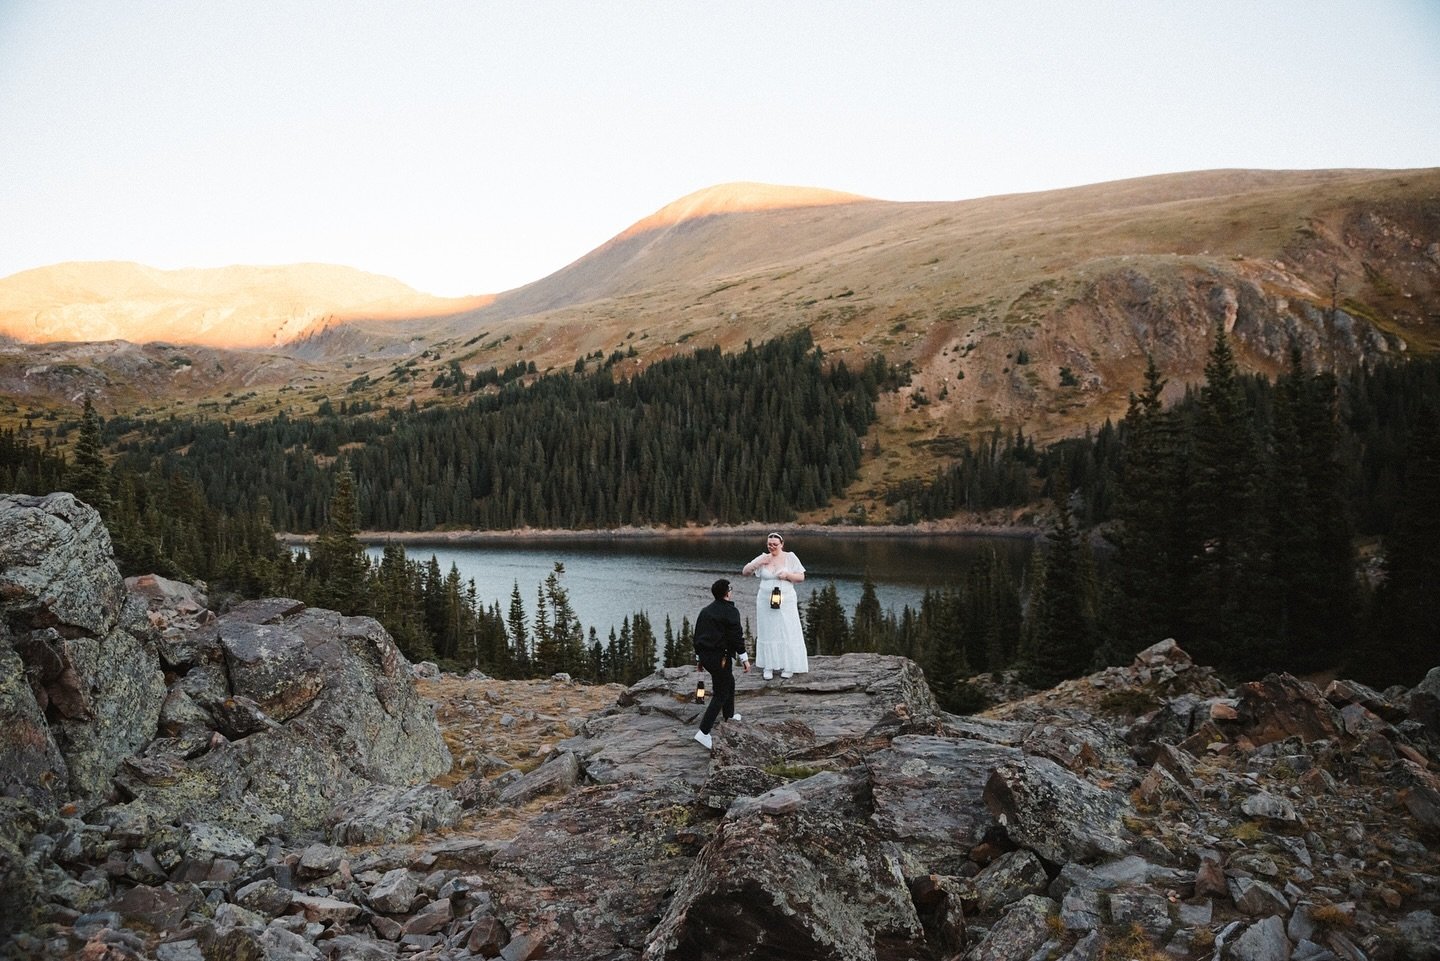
(718,631)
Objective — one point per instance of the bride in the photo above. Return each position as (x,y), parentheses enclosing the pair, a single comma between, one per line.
(779,645)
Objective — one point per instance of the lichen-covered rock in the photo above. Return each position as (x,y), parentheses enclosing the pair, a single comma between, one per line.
(389,813)
(1021,933)
(369,710)
(929,795)
(273,782)
(1057,815)
(88,655)
(1006,879)
(603,890)
(124,688)
(270,665)
(807,884)
(21,883)
(31,765)
(57,567)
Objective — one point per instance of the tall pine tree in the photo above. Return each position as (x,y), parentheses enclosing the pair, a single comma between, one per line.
(1227,526)
(1153,550)
(339,564)
(1061,636)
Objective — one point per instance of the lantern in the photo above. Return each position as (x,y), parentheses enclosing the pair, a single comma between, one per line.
(775,596)
(700,691)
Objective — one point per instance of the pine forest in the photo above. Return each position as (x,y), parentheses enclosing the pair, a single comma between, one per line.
(1266,525)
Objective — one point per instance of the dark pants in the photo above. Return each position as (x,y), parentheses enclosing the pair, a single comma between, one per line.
(723,681)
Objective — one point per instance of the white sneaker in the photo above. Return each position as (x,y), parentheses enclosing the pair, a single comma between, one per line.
(705,740)
(734,717)
(786,674)
(769,674)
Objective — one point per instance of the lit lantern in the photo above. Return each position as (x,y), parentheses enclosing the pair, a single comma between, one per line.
(700,691)
(775,596)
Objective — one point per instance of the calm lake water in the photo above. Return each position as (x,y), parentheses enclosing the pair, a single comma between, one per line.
(610,578)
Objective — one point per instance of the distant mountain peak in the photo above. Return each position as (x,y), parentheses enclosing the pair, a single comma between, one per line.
(741,197)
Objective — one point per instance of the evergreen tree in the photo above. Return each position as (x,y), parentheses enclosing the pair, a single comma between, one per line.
(674,657)
(89,477)
(643,655)
(942,641)
(1153,548)
(339,562)
(432,600)
(547,652)
(1060,635)
(567,634)
(826,631)
(519,635)
(396,604)
(1227,525)
(1312,598)
(868,629)
(1403,633)
(992,620)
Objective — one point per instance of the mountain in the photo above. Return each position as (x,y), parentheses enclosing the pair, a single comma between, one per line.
(1029,309)
(222,307)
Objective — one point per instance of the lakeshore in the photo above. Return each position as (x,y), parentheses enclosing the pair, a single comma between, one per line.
(943,528)
(666,573)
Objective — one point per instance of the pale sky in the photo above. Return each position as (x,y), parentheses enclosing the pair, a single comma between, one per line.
(472,146)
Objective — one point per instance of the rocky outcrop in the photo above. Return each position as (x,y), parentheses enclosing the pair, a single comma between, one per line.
(95,682)
(142,711)
(845,817)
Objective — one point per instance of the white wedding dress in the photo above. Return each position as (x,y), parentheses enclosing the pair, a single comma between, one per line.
(779,645)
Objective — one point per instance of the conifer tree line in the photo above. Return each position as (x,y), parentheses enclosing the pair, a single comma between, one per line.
(703,437)
(1228,522)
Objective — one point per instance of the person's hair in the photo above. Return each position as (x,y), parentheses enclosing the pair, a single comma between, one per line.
(773,534)
(720,588)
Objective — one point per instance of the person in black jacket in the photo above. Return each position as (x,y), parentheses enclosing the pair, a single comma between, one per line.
(719,640)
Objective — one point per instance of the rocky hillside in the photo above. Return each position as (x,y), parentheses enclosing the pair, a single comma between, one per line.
(264,783)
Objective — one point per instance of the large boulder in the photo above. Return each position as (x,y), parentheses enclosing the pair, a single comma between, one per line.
(123,687)
(1054,813)
(275,716)
(308,709)
(929,794)
(57,566)
(87,650)
(270,665)
(1283,706)
(806,881)
(369,709)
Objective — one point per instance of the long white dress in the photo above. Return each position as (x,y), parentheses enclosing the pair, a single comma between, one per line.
(779,645)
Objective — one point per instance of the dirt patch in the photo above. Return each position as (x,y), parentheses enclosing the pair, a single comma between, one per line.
(517,722)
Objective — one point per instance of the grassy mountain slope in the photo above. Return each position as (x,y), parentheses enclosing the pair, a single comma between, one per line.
(1033,309)
(238,306)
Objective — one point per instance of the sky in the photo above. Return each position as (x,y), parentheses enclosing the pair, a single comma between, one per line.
(473,146)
